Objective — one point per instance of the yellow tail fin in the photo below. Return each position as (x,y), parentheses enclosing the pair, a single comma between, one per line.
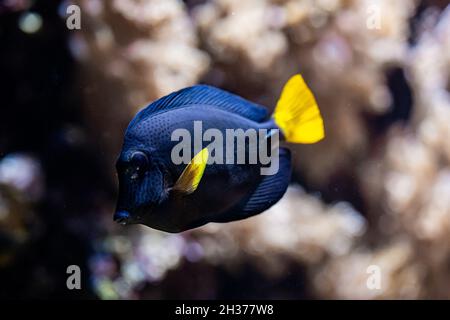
(297,113)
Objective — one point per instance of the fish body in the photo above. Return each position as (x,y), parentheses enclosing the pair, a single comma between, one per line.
(149,178)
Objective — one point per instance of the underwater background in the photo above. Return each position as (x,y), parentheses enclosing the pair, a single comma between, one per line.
(374,192)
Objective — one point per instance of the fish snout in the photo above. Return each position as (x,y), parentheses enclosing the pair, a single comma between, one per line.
(122,217)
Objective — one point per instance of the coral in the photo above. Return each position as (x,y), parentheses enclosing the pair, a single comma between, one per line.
(400,175)
(334,44)
(412,173)
(349,277)
(371,197)
(21,184)
(299,228)
(137,51)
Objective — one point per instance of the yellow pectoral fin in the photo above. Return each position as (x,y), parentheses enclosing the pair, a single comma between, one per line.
(297,113)
(193,173)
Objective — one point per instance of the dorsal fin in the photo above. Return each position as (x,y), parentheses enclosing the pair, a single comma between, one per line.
(206,95)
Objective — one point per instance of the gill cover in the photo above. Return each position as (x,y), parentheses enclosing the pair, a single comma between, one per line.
(190,177)
(297,113)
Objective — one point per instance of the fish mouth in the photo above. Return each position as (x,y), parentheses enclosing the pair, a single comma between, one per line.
(122,217)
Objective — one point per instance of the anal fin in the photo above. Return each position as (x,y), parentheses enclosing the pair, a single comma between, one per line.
(266,194)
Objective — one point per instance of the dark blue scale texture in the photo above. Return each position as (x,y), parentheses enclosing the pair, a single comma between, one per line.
(226,192)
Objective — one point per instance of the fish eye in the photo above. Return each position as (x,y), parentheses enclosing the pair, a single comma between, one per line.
(139,160)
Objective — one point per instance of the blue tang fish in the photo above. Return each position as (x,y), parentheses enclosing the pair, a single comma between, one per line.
(164,194)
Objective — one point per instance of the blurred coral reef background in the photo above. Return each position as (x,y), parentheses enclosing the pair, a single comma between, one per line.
(376,191)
